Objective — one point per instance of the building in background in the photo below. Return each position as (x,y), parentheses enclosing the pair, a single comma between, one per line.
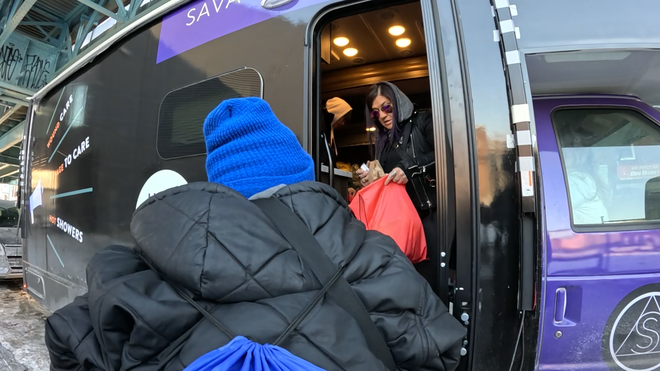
(8,191)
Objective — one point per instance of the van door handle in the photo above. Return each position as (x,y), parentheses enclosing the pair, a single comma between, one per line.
(560,305)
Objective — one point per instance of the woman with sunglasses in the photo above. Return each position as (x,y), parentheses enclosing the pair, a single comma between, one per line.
(405,150)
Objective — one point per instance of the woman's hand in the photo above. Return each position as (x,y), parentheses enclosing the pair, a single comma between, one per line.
(397,176)
(364,177)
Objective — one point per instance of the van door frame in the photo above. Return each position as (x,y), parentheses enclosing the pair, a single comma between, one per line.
(464,178)
(531,290)
(541,243)
(442,121)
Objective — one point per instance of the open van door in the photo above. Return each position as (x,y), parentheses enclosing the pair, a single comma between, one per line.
(348,70)
(427,67)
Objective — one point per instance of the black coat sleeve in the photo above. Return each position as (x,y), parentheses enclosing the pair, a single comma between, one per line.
(412,167)
(70,339)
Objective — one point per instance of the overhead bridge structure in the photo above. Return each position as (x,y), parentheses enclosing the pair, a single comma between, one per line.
(39,38)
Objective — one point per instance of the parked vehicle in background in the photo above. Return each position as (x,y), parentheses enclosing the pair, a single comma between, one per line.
(11,250)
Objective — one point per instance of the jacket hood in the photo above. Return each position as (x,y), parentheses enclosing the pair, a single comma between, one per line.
(217,244)
(405,107)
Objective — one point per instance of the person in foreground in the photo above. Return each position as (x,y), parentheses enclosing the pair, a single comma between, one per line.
(221,249)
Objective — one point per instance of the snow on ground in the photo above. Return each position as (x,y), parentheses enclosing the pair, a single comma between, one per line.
(22,319)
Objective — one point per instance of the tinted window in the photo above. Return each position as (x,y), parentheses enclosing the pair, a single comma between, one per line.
(8,217)
(611,159)
(183,111)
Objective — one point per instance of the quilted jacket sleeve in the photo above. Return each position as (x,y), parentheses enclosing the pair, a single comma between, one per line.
(416,324)
(70,329)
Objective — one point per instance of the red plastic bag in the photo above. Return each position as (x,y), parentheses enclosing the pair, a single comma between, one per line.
(388,209)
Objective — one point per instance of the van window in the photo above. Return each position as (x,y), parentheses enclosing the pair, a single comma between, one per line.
(183,111)
(9,217)
(611,159)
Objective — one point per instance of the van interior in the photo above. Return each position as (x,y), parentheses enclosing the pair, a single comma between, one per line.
(354,52)
(360,50)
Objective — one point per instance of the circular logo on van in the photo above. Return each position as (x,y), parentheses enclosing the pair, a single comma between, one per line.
(631,341)
(158,182)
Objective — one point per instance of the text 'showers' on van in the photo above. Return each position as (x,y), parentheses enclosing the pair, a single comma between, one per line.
(547,141)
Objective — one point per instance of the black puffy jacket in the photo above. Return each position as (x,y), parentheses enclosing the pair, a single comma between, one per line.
(228,255)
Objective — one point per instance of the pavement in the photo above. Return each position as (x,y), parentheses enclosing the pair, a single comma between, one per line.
(22,319)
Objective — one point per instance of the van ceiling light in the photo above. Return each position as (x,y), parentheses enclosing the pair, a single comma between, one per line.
(341,41)
(371,128)
(396,30)
(350,52)
(402,43)
(585,56)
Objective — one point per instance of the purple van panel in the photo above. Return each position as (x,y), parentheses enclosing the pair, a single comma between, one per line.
(204,20)
(602,290)
(581,340)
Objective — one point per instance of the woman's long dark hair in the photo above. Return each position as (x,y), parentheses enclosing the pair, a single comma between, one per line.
(383,135)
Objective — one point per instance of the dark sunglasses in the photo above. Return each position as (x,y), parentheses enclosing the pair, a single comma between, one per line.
(386,108)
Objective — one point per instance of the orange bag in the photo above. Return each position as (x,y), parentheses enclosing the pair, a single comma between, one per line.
(388,209)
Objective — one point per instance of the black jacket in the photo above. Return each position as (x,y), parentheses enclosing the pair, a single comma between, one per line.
(417,152)
(235,264)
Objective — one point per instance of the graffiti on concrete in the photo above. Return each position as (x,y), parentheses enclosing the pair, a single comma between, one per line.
(37,72)
(11,59)
(27,63)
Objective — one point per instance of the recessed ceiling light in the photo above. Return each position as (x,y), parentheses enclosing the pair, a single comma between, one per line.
(396,30)
(341,41)
(350,52)
(402,43)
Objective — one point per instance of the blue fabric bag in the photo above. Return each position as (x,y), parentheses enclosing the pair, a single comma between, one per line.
(242,354)
(246,354)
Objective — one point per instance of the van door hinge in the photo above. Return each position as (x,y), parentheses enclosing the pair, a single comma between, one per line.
(524,147)
(525,155)
(508,38)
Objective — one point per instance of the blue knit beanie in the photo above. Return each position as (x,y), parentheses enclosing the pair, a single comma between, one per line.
(249,150)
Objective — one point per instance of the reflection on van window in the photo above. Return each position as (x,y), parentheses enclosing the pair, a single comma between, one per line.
(183,111)
(611,159)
